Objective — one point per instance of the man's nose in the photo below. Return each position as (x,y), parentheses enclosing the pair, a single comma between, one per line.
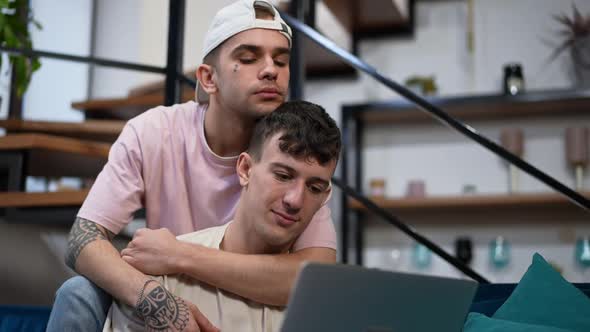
(293,199)
(269,71)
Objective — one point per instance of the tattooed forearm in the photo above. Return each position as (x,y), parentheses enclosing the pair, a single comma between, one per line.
(162,311)
(82,233)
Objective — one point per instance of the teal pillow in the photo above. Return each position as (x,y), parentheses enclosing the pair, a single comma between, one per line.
(543,297)
(477,322)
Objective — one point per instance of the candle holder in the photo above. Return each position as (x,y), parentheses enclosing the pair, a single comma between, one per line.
(512,139)
(576,147)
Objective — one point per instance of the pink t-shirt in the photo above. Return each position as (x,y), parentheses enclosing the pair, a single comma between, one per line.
(161,161)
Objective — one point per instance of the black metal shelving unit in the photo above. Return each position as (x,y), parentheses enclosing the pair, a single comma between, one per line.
(357,117)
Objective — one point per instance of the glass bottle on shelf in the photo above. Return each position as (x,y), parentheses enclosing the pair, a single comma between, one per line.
(499,252)
(421,256)
(583,251)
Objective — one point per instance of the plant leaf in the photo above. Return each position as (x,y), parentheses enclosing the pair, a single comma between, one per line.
(563,19)
(14,32)
(565,33)
(20,69)
(9,37)
(560,49)
(577,16)
(35,64)
(37,24)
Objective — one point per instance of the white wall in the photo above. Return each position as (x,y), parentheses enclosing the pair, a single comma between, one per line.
(137,31)
(66,29)
(118,26)
(4,87)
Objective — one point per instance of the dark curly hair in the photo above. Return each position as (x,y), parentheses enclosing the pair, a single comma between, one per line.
(307,132)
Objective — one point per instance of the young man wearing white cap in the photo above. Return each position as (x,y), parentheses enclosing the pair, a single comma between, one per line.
(285,178)
(179,163)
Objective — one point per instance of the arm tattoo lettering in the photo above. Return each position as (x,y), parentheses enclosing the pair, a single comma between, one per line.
(82,233)
(160,310)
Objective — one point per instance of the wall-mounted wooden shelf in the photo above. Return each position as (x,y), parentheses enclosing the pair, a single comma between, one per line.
(478,107)
(368,18)
(481,210)
(54,156)
(43,199)
(54,143)
(125,108)
(103,130)
(56,208)
(437,203)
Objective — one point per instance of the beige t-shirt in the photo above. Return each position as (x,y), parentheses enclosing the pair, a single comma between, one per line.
(225,310)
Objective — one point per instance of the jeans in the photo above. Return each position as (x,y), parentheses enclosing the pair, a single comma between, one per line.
(79,305)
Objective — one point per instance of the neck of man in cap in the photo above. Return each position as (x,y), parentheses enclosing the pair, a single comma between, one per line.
(227,133)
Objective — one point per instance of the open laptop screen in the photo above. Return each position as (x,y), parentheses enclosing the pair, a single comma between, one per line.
(350,298)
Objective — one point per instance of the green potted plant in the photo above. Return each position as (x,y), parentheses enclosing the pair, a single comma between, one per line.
(575,36)
(14,32)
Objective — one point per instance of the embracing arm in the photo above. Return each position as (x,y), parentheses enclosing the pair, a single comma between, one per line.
(91,254)
(263,278)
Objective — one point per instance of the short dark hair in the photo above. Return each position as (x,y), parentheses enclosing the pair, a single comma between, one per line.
(307,132)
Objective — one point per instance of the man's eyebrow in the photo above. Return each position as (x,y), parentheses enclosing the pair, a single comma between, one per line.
(292,170)
(246,47)
(281,50)
(257,50)
(286,167)
(321,181)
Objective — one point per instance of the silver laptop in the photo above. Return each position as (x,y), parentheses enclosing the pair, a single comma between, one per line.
(350,298)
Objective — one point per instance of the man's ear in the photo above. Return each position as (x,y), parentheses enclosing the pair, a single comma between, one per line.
(205,76)
(243,168)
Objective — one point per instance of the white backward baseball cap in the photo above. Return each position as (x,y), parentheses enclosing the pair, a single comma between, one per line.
(235,18)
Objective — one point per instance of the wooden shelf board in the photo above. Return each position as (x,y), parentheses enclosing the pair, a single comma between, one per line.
(26,199)
(103,130)
(53,156)
(479,107)
(435,203)
(368,15)
(54,143)
(125,108)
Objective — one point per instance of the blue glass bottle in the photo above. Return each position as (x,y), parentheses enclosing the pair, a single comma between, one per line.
(499,252)
(421,256)
(583,251)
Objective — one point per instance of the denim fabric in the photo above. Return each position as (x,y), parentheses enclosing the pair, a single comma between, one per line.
(79,305)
